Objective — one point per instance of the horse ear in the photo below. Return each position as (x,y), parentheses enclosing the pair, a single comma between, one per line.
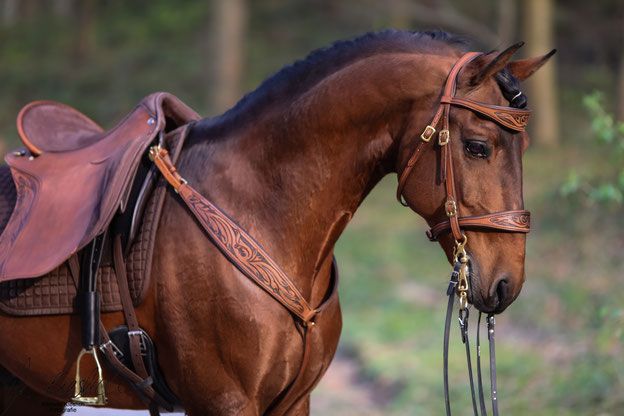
(524,68)
(489,64)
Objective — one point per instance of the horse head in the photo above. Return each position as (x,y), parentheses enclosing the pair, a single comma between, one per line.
(475,170)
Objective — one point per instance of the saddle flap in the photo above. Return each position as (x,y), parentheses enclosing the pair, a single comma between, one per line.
(48,126)
(65,199)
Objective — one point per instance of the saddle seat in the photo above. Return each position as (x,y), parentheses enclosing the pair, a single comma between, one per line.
(75,178)
(48,126)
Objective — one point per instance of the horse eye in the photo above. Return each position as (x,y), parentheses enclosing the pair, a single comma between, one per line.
(476,148)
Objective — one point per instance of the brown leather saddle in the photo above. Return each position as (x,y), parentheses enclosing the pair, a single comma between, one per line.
(68,192)
(65,187)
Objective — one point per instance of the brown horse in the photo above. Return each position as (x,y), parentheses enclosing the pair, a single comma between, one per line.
(291,162)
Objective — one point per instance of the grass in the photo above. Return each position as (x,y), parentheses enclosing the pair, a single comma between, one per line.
(560,344)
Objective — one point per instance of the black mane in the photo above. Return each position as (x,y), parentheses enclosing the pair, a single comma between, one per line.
(305,73)
(295,79)
(320,63)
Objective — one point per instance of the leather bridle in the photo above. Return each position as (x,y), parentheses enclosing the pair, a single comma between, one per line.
(514,119)
(515,221)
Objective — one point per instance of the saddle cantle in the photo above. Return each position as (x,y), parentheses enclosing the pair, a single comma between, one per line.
(48,126)
(68,194)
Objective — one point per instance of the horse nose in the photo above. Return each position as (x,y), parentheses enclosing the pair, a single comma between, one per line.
(502,293)
(502,289)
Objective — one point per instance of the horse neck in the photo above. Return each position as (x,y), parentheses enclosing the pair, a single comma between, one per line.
(295,175)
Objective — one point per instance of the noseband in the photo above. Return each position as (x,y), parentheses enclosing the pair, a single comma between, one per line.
(515,221)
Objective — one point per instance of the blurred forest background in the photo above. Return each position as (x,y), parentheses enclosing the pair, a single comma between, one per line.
(561,344)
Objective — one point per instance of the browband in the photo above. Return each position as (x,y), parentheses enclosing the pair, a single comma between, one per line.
(514,119)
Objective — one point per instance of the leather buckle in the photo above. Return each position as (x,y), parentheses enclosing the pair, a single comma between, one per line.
(443,137)
(428,133)
(451,208)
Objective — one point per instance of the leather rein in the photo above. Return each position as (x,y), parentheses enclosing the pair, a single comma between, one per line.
(515,221)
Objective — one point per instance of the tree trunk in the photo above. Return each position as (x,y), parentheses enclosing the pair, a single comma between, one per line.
(539,33)
(442,13)
(399,14)
(230,23)
(620,90)
(507,18)
(9,12)
(85,32)
(63,8)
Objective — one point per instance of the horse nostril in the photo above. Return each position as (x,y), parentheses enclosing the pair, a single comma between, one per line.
(502,290)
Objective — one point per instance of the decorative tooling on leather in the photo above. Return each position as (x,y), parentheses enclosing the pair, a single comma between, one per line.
(246,253)
(519,120)
(515,119)
(521,220)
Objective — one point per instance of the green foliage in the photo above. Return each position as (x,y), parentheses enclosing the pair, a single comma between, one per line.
(607,187)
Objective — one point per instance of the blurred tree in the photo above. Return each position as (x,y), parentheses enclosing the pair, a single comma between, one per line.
(63,8)
(620,91)
(85,36)
(9,12)
(230,25)
(443,13)
(399,14)
(539,28)
(620,98)
(507,18)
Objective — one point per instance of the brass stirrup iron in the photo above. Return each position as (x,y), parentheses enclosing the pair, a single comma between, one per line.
(100,399)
